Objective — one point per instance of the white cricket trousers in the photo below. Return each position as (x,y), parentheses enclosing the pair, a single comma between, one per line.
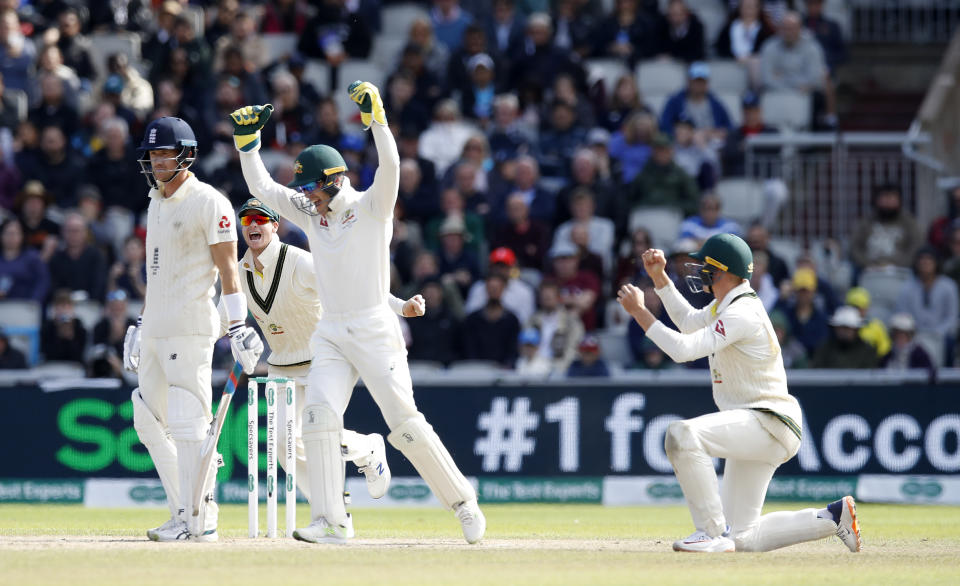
(368,344)
(180,361)
(752,455)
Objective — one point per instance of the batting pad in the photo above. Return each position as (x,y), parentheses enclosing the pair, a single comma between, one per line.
(325,466)
(160,447)
(417,441)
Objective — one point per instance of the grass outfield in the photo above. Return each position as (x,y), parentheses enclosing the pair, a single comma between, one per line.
(525,544)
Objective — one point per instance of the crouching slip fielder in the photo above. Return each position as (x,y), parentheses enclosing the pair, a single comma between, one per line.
(190,237)
(758,426)
(280,286)
(357,334)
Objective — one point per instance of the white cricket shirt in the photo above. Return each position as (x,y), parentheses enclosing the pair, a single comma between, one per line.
(350,243)
(181,274)
(746,365)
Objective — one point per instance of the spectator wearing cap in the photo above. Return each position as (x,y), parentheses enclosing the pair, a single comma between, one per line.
(560,328)
(932,300)
(40,232)
(579,288)
(62,336)
(791,350)
(734,149)
(825,297)
(872,331)
(17,53)
(889,236)
(335,33)
(108,335)
(10,357)
(844,348)
(525,181)
(477,101)
(709,221)
(540,61)
(78,266)
(490,333)
(475,42)
(906,352)
(663,182)
(807,323)
(436,338)
(449,22)
(698,104)
(630,146)
(684,36)
(600,232)
(453,202)
(589,362)
(531,363)
(23,274)
(528,237)
(456,262)
(443,141)
(625,99)
(628,33)
(691,152)
(518,296)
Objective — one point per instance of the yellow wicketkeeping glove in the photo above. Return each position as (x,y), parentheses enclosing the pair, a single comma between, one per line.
(247,122)
(367,96)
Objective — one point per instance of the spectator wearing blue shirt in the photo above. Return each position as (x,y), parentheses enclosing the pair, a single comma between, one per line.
(449,22)
(697,104)
(708,222)
(630,146)
(808,324)
(23,274)
(17,53)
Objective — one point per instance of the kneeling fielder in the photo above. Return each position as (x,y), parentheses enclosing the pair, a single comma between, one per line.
(758,426)
(279,282)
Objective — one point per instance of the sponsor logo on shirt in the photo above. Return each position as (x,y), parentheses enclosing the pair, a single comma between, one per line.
(275,329)
(719,328)
(716,376)
(349,218)
(323,222)
(224,222)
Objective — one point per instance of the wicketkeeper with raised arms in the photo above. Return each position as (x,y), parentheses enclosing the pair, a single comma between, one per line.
(357,334)
(759,423)
(280,284)
(191,237)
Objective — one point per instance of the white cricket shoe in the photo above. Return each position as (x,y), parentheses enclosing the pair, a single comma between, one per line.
(165,528)
(848,529)
(208,536)
(472,521)
(175,531)
(320,531)
(699,541)
(375,468)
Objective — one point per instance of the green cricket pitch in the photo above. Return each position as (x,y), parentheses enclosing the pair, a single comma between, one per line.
(524,544)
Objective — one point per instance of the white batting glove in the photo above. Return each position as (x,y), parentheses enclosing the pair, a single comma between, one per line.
(131,347)
(246,346)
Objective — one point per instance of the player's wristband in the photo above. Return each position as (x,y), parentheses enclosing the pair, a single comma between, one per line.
(396,305)
(247,142)
(236,305)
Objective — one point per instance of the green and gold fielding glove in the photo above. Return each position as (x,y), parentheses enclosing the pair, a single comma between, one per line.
(247,122)
(367,96)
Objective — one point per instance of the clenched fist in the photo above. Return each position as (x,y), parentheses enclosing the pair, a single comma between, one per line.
(247,123)
(367,96)
(654,262)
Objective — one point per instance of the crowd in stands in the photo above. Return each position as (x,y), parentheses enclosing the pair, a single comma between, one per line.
(520,171)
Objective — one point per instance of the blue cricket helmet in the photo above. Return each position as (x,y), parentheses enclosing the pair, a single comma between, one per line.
(167,132)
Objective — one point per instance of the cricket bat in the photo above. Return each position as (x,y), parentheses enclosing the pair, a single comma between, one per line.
(209,448)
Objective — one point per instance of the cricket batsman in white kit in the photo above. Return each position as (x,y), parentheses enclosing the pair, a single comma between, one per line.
(279,283)
(191,238)
(758,426)
(357,334)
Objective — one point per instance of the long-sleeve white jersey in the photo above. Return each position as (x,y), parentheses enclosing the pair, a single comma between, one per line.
(746,365)
(283,299)
(181,274)
(350,243)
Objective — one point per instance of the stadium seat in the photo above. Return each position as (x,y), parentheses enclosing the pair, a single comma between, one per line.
(279,44)
(728,76)
(350,71)
(397,18)
(713,15)
(614,347)
(663,223)
(884,284)
(59,370)
(655,102)
(21,320)
(661,77)
(742,199)
(607,71)
(89,312)
(788,249)
(786,108)
(424,369)
(386,52)
(731,101)
(474,368)
(106,44)
(317,72)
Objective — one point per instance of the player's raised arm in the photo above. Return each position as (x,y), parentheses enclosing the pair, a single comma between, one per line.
(382,195)
(687,317)
(247,123)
